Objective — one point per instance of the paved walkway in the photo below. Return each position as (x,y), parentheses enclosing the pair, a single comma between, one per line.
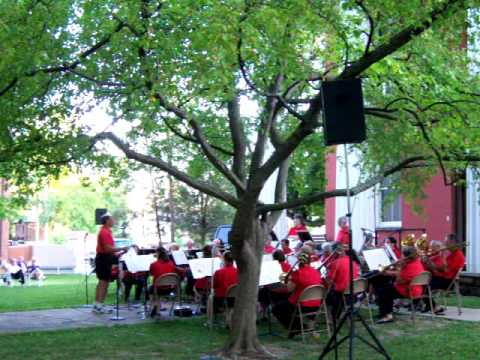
(59,319)
(62,319)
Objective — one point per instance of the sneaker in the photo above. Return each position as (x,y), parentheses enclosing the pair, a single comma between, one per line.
(99,310)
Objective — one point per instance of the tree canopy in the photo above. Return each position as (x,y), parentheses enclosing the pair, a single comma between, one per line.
(237,83)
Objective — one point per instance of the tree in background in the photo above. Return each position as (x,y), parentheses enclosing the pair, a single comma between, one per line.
(189,71)
(71,202)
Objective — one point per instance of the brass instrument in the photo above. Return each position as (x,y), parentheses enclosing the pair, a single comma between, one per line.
(284,277)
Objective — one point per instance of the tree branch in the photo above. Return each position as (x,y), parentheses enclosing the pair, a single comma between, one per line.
(237,133)
(396,41)
(212,190)
(370,23)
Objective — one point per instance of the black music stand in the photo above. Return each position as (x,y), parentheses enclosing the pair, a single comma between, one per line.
(117,316)
(351,314)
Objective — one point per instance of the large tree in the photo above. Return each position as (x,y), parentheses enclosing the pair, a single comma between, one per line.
(193,71)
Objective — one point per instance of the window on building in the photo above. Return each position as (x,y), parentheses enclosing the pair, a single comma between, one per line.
(390,205)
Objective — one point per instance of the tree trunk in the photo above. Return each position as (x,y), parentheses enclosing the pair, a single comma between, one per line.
(247,239)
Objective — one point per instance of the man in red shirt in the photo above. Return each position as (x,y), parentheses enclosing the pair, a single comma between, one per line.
(339,279)
(268,248)
(299,226)
(411,268)
(222,280)
(343,236)
(104,260)
(286,247)
(300,279)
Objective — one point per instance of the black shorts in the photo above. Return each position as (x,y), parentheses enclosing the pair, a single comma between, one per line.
(103,266)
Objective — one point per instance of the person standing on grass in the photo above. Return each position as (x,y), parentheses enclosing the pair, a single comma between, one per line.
(107,256)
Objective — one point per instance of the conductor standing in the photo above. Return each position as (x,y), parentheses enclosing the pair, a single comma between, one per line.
(106,257)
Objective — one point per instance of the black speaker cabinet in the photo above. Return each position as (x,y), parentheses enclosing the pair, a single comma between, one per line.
(98,215)
(343,118)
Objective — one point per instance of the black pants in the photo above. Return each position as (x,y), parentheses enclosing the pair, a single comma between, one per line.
(219,304)
(385,297)
(284,311)
(19,276)
(437,283)
(335,303)
(131,281)
(271,295)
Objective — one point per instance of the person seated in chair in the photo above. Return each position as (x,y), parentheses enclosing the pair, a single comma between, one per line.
(34,271)
(298,281)
(222,280)
(15,271)
(410,268)
(162,266)
(444,266)
(286,247)
(339,279)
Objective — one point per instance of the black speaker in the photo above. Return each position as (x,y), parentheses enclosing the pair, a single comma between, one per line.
(98,215)
(343,118)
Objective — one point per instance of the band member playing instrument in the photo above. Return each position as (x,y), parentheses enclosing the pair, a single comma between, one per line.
(268,248)
(326,258)
(343,236)
(104,260)
(286,247)
(339,278)
(299,225)
(411,266)
(162,266)
(298,280)
(279,256)
(444,268)
(309,246)
(222,280)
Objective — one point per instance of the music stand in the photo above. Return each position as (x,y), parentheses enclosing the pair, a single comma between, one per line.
(351,314)
(117,316)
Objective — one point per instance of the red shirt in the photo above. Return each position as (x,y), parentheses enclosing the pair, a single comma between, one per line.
(297,228)
(339,273)
(223,279)
(397,252)
(438,261)
(268,249)
(287,250)
(302,278)
(455,261)
(343,236)
(202,283)
(285,266)
(411,269)
(160,267)
(104,238)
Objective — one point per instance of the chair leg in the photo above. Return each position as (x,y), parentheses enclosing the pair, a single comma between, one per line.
(292,320)
(327,318)
(300,315)
(459,298)
(430,300)
(412,305)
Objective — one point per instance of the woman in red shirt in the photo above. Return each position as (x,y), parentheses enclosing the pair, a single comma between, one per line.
(343,236)
(162,266)
(411,268)
(222,280)
(300,279)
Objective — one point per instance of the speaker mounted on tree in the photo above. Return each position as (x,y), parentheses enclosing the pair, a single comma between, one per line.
(343,117)
(98,215)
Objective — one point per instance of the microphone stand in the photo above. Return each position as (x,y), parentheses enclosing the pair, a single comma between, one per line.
(117,316)
(351,313)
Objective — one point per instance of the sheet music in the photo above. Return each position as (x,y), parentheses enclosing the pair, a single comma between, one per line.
(376,258)
(270,273)
(267,257)
(204,267)
(136,263)
(390,252)
(179,257)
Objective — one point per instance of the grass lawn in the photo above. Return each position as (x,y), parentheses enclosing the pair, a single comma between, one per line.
(58,291)
(188,339)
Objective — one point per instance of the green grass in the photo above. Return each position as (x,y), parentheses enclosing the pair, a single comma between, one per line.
(58,291)
(188,339)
